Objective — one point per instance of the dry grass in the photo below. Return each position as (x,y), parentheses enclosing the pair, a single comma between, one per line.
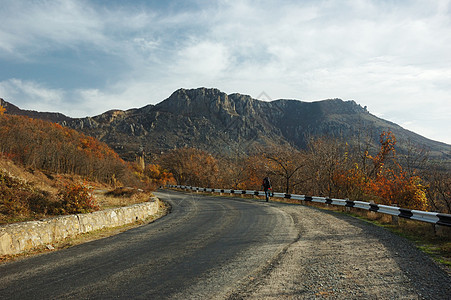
(32,176)
(106,199)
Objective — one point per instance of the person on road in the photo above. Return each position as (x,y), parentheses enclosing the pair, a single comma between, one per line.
(266,185)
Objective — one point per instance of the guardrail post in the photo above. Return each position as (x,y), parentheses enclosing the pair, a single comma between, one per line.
(372,212)
(394,219)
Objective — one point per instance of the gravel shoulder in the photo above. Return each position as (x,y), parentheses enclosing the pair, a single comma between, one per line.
(341,257)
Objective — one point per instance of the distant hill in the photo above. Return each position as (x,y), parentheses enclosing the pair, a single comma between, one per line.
(47,116)
(229,124)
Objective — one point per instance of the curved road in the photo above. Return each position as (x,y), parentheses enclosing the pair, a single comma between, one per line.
(205,247)
(224,248)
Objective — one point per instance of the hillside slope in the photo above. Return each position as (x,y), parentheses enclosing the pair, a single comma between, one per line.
(47,169)
(46,116)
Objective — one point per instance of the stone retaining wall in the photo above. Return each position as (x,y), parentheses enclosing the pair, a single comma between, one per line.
(19,237)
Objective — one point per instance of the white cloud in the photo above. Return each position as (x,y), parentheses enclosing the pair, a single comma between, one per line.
(40,26)
(31,95)
(205,59)
(393,57)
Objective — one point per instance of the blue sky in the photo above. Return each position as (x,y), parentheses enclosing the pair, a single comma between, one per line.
(83,58)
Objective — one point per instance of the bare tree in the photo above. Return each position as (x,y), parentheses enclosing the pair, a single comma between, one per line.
(287,163)
(439,188)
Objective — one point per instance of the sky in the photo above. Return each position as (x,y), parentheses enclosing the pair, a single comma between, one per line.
(83,58)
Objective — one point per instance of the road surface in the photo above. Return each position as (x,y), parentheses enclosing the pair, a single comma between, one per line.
(204,247)
(211,247)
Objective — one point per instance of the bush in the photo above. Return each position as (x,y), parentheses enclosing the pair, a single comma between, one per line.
(43,202)
(20,201)
(77,198)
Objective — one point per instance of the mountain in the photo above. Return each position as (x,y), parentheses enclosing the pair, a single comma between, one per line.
(48,116)
(231,124)
(219,123)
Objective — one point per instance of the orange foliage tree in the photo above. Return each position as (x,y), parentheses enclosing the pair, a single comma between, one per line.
(256,167)
(49,146)
(386,182)
(191,166)
(158,175)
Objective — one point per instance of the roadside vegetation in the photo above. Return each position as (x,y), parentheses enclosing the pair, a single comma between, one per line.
(48,170)
(329,168)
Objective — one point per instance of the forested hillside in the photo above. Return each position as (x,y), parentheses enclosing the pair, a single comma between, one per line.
(46,169)
(49,146)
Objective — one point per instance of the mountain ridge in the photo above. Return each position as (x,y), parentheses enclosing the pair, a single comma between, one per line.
(47,116)
(212,120)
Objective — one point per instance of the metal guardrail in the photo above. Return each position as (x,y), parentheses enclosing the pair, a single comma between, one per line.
(424,216)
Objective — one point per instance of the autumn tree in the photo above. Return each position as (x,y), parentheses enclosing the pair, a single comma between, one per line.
(414,159)
(387,150)
(439,187)
(191,166)
(256,167)
(232,171)
(158,175)
(385,181)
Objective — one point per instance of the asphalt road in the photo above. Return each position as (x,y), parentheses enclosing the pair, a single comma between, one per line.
(205,248)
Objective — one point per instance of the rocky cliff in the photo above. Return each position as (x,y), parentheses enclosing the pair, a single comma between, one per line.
(219,123)
(231,124)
